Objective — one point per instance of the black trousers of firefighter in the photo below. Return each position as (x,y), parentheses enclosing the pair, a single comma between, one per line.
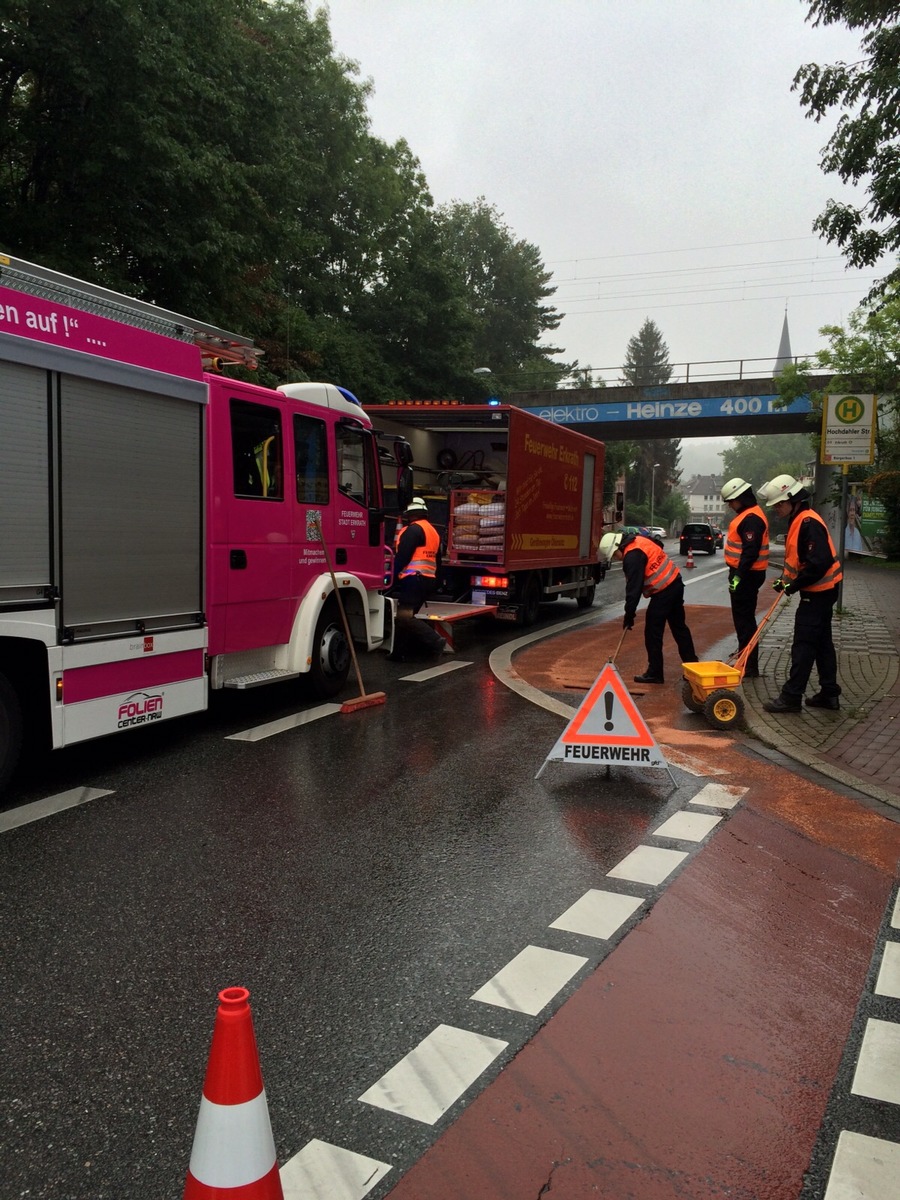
(667,608)
(813,646)
(411,636)
(743,614)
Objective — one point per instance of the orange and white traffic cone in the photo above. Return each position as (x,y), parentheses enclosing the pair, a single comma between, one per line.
(233,1157)
(690,561)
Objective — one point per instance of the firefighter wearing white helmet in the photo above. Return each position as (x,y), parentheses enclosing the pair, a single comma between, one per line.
(649,571)
(747,556)
(416,565)
(812,568)
(609,544)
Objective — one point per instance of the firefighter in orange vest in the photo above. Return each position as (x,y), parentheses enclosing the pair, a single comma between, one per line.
(416,566)
(812,568)
(650,572)
(747,556)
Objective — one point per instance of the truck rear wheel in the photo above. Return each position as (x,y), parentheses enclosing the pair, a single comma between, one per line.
(530,603)
(586,599)
(10,731)
(330,664)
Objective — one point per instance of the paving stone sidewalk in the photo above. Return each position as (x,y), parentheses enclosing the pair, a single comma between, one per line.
(860,745)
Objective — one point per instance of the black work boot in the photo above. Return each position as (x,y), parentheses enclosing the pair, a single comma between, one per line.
(780,705)
(820,700)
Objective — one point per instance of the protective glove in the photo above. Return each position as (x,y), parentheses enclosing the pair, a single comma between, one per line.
(735,584)
(628,621)
(778,585)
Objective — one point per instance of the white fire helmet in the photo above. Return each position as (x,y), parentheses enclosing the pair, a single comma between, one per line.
(734,488)
(782,487)
(417,507)
(609,544)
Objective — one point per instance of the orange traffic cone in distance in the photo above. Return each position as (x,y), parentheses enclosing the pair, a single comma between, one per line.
(233,1157)
(690,559)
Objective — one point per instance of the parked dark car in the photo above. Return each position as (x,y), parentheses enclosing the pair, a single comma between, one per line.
(697,536)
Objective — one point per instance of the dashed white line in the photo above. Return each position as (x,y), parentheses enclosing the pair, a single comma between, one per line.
(529,981)
(321,1171)
(598,914)
(432,672)
(878,1066)
(424,1084)
(648,864)
(687,826)
(259,732)
(49,806)
(865,1168)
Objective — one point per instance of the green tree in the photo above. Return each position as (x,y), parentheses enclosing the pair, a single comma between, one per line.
(864,357)
(505,285)
(864,147)
(647,365)
(758,458)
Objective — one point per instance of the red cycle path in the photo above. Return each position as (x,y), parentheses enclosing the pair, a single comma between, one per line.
(697,1060)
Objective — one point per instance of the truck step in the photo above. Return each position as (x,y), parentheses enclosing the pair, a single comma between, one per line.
(259,678)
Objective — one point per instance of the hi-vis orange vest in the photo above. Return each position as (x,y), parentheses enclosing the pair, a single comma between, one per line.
(832,576)
(660,571)
(733,543)
(424,561)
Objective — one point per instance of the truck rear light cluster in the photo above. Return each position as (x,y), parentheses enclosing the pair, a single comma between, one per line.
(490,581)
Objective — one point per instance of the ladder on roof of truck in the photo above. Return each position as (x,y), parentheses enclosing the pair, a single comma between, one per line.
(213,343)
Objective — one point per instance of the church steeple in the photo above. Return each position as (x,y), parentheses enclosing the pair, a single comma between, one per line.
(784,348)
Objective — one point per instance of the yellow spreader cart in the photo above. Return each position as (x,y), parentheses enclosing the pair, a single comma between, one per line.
(709,687)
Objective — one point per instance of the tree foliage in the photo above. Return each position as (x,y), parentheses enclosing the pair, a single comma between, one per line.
(760,458)
(216,157)
(864,357)
(647,365)
(864,147)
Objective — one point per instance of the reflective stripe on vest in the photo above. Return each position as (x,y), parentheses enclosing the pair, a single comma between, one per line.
(660,571)
(424,561)
(733,544)
(832,576)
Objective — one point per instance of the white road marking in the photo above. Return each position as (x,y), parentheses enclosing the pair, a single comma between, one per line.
(435,1074)
(888,981)
(321,1171)
(49,807)
(878,1067)
(283,724)
(719,795)
(864,1168)
(895,915)
(529,981)
(687,826)
(432,672)
(648,864)
(598,914)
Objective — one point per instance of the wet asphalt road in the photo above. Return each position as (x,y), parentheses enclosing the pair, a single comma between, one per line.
(362,876)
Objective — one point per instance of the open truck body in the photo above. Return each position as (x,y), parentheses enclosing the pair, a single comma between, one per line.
(517,500)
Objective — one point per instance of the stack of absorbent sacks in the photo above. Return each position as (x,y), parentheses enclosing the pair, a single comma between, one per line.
(479,527)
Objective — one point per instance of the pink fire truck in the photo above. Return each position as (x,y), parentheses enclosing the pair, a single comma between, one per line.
(159,521)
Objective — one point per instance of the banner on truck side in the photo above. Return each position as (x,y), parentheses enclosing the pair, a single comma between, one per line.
(607,729)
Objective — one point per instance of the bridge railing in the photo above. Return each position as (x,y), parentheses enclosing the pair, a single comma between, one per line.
(693,372)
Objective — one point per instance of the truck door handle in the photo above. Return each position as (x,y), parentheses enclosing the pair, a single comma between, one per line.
(238,561)
(340,556)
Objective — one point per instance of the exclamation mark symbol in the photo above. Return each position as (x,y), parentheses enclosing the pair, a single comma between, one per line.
(608,701)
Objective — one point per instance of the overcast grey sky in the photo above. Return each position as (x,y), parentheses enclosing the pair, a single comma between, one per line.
(652,150)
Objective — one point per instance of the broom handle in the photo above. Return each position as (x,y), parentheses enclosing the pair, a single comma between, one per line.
(340,603)
(619,647)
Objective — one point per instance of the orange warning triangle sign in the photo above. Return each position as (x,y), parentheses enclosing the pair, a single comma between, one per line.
(608,728)
(608,715)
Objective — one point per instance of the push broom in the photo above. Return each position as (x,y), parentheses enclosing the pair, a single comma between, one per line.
(363,700)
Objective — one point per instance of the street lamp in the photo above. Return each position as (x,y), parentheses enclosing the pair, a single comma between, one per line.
(652,492)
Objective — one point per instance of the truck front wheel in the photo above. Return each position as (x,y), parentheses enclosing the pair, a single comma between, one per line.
(10,731)
(330,664)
